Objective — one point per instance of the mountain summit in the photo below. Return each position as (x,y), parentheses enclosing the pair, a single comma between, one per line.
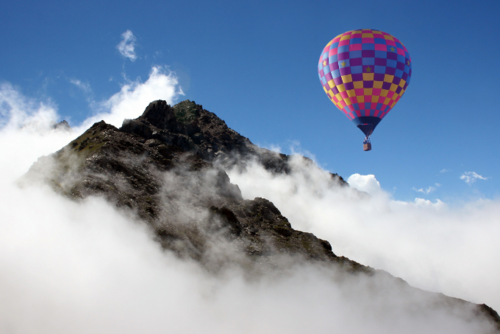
(167,169)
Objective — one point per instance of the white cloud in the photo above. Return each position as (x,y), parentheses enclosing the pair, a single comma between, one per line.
(366,183)
(444,170)
(127,45)
(471,177)
(18,111)
(135,96)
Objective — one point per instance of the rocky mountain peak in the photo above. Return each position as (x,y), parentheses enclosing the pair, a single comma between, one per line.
(168,169)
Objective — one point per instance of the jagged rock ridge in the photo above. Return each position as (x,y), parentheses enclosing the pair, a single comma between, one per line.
(167,168)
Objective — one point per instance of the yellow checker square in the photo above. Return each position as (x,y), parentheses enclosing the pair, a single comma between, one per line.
(326,90)
(384,92)
(346,78)
(393,87)
(348,102)
(368,91)
(331,94)
(368,76)
(331,83)
(339,97)
(387,101)
(402,83)
(341,88)
(329,43)
(388,78)
(377,84)
(393,104)
(358,84)
(351,93)
(367,35)
(361,99)
(357,31)
(401,92)
(343,38)
(388,37)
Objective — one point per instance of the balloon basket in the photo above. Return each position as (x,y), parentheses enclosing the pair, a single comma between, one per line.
(367,147)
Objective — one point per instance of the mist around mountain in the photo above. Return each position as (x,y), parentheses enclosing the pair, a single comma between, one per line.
(174,222)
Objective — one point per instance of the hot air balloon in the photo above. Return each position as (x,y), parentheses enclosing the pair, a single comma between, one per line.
(365,72)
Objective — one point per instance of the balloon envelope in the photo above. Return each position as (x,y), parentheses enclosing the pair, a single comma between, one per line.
(365,72)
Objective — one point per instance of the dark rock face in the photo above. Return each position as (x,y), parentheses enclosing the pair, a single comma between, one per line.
(167,169)
(161,167)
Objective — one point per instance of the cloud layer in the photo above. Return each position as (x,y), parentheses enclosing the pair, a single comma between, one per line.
(429,244)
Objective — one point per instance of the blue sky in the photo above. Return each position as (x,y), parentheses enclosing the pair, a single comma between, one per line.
(254,65)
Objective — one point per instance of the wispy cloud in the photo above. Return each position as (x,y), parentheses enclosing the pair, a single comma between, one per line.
(471,177)
(428,190)
(424,191)
(127,45)
(444,170)
(84,86)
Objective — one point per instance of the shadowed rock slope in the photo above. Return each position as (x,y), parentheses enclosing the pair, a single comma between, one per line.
(166,168)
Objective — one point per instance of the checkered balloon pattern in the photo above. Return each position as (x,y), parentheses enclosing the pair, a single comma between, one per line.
(365,72)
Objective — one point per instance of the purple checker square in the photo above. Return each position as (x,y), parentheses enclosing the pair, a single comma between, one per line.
(367,84)
(398,90)
(349,85)
(338,81)
(390,70)
(356,61)
(335,90)
(386,85)
(380,62)
(357,77)
(345,70)
(334,66)
(405,76)
(400,66)
(368,53)
(396,80)
(379,77)
(328,77)
(343,56)
(392,56)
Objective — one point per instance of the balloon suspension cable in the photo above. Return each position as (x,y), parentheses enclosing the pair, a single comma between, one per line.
(367,140)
